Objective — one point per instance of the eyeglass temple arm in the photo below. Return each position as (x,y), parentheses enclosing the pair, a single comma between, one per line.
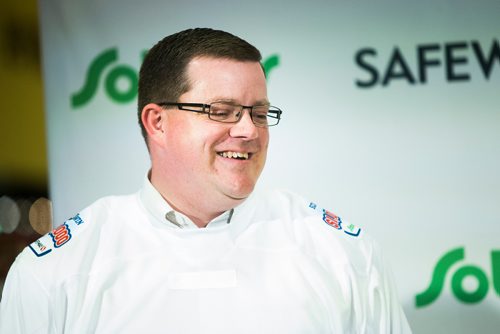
(182,106)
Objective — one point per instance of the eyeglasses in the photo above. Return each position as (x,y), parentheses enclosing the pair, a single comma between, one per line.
(225,112)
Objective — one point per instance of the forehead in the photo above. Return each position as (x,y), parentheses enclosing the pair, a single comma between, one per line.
(221,78)
(209,62)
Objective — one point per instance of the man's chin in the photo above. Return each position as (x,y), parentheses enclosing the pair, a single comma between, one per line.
(239,194)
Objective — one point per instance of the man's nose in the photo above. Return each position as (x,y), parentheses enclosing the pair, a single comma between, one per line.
(244,128)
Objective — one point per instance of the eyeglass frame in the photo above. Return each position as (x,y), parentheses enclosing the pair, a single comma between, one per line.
(277,111)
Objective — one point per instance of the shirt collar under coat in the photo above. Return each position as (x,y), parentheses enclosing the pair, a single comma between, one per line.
(163,212)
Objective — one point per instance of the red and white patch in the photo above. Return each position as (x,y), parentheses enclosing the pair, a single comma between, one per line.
(332,219)
(57,238)
(336,222)
(61,235)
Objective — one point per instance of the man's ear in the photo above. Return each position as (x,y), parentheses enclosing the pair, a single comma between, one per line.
(153,118)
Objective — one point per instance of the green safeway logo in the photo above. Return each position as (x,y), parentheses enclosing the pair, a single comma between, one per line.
(458,277)
(104,67)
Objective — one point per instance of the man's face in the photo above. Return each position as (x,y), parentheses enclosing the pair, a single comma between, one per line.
(198,150)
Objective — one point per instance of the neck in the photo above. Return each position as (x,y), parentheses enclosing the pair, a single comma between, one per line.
(193,206)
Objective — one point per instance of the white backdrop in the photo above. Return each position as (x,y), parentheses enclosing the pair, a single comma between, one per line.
(412,157)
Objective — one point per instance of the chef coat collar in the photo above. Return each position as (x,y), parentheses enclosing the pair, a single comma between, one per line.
(163,212)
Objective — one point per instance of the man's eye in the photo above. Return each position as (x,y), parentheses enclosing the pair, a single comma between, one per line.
(220,111)
(260,112)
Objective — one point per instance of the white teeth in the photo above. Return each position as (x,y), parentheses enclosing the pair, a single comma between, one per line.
(234,155)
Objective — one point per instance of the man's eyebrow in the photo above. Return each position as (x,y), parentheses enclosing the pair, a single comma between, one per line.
(233,101)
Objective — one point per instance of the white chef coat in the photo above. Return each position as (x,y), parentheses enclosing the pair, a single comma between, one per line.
(277,264)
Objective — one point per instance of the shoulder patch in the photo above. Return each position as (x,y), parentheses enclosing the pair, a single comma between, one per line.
(336,222)
(57,238)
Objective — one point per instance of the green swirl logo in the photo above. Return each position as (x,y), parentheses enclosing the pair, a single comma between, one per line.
(469,297)
(270,63)
(111,82)
(124,73)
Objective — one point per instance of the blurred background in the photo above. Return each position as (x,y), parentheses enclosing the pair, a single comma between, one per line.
(23,152)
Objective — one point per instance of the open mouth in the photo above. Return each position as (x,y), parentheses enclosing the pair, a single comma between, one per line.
(235,155)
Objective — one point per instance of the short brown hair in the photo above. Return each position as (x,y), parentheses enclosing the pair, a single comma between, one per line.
(163,72)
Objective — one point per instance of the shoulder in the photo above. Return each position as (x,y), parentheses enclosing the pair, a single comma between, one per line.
(319,231)
(61,251)
(348,254)
(295,208)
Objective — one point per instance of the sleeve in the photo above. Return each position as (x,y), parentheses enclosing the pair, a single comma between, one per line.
(24,307)
(386,313)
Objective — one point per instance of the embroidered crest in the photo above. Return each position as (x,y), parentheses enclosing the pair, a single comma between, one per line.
(332,220)
(57,238)
(336,222)
(61,235)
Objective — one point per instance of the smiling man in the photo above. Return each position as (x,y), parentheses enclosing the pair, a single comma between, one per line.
(218,158)
(197,250)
